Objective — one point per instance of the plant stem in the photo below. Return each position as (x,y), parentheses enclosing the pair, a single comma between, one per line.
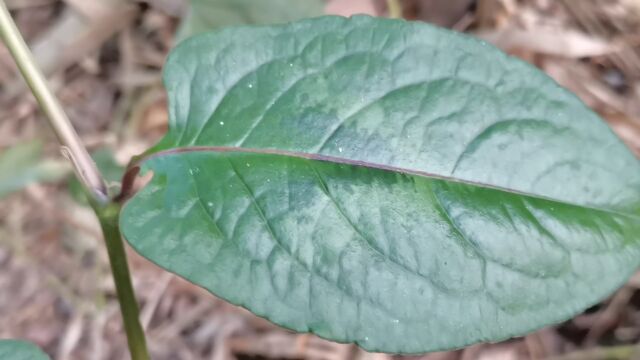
(83,165)
(109,216)
(620,352)
(108,212)
(395,9)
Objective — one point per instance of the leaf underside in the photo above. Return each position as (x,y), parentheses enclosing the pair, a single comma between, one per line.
(20,350)
(386,183)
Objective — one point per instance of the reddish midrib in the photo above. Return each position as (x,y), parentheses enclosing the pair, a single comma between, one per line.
(133,170)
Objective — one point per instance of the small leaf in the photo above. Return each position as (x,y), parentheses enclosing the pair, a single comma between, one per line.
(387,183)
(207,15)
(23,164)
(20,350)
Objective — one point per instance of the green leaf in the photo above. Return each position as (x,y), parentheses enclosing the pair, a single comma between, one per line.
(207,15)
(20,350)
(383,182)
(23,164)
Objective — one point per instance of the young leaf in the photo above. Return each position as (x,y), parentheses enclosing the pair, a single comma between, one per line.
(206,15)
(386,183)
(20,350)
(23,164)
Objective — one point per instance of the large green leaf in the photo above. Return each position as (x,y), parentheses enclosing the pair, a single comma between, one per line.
(20,350)
(386,183)
(206,15)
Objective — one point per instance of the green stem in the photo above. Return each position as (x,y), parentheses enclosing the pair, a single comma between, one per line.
(109,216)
(620,352)
(395,9)
(83,165)
(107,211)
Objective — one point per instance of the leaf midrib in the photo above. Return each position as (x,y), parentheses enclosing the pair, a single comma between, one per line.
(366,164)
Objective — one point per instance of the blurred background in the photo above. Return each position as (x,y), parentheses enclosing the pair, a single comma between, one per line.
(104,60)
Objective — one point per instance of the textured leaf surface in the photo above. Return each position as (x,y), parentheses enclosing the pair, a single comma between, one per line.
(206,15)
(385,183)
(20,350)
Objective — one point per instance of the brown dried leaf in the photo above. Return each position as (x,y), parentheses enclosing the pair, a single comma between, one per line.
(351,7)
(567,43)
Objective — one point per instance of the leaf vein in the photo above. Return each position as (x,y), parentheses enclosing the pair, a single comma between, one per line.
(278,243)
(368,242)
